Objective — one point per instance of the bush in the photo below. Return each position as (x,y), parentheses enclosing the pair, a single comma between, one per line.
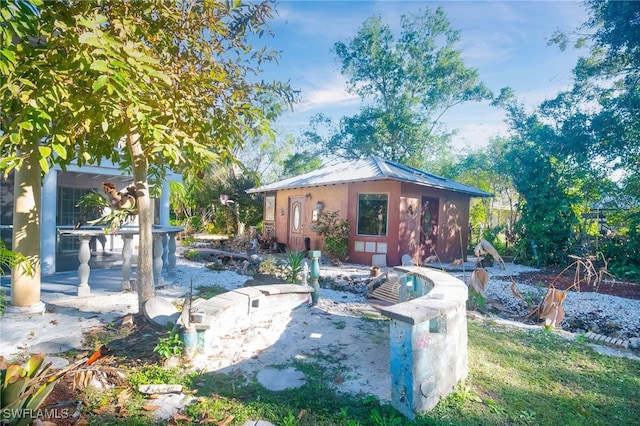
(295,265)
(191,254)
(336,234)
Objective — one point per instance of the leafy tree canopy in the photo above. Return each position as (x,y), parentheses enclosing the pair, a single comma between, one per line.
(407,84)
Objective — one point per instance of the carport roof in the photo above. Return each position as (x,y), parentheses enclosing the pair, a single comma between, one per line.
(369,169)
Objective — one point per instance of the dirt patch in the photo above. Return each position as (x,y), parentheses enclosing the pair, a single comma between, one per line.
(564,280)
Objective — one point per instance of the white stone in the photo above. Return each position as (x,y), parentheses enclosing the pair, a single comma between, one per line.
(160,311)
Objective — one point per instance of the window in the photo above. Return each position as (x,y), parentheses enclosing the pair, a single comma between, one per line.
(372,214)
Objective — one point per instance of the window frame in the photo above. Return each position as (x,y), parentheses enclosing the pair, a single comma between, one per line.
(386,214)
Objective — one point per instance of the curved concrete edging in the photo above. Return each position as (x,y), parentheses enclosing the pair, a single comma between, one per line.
(428,340)
(215,317)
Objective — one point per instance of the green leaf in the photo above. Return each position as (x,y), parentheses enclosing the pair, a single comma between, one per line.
(89,38)
(14,138)
(44,165)
(60,150)
(100,82)
(26,125)
(105,126)
(45,151)
(9,55)
(100,65)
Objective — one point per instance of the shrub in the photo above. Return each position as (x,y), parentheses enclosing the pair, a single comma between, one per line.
(336,234)
(295,262)
(191,254)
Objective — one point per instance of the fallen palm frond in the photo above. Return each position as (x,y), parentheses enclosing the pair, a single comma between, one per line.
(101,377)
(478,281)
(515,291)
(485,247)
(551,307)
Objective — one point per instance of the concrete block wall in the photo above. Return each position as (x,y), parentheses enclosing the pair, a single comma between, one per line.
(428,341)
(233,310)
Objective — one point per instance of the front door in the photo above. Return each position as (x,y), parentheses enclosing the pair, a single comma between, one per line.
(296,214)
(428,227)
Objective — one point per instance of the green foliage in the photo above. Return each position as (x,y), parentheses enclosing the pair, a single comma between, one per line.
(155,374)
(207,292)
(409,82)
(336,234)
(83,77)
(8,260)
(300,163)
(622,250)
(215,266)
(191,254)
(268,266)
(295,263)
(170,346)
(187,241)
(200,209)
(25,387)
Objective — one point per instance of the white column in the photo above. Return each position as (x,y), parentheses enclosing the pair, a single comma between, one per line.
(171,256)
(48,234)
(165,206)
(157,259)
(84,255)
(126,261)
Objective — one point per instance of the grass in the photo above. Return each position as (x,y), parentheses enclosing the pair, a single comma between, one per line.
(516,377)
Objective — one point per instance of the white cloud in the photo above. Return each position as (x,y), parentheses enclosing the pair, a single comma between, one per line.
(325,92)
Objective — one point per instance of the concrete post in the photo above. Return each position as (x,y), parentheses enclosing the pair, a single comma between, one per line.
(25,288)
(314,274)
(171,257)
(48,234)
(84,270)
(157,259)
(126,261)
(428,341)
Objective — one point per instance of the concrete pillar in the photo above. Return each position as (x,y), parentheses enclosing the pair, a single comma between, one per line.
(157,259)
(171,256)
(25,288)
(84,270)
(314,274)
(48,234)
(428,340)
(126,261)
(165,206)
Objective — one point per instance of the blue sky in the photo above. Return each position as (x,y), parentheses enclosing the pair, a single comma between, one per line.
(506,41)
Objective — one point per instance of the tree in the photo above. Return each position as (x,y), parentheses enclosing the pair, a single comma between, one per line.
(408,85)
(486,169)
(300,163)
(150,86)
(605,112)
(551,182)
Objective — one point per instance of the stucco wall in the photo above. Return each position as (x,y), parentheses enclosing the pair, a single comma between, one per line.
(403,226)
(333,198)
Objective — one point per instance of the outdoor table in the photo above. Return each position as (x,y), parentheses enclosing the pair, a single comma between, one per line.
(164,253)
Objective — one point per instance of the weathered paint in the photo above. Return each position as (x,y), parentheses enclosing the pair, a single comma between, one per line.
(428,339)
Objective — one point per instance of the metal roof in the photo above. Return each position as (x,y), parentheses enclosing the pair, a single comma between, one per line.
(369,169)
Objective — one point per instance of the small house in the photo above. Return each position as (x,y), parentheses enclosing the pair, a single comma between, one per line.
(392,210)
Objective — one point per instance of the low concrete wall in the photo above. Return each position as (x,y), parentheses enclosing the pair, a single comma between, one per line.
(428,339)
(215,317)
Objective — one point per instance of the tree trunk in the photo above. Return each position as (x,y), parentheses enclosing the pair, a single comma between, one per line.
(25,288)
(145,284)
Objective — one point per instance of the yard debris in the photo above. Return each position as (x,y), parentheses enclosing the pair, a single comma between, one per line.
(551,307)
(484,247)
(478,281)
